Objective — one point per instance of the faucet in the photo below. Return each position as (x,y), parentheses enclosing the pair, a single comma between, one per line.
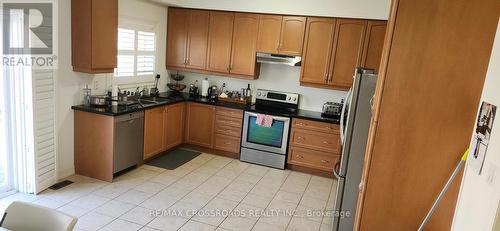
(138,92)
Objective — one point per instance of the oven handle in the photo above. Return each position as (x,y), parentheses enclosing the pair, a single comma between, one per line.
(284,119)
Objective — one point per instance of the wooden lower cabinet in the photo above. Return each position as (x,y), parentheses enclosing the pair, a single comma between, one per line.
(228,125)
(200,124)
(314,145)
(227,143)
(163,128)
(154,131)
(174,125)
(312,159)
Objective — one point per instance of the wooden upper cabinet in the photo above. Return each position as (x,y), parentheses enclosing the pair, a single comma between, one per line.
(347,51)
(174,125)
(94,35)
(219,41)
(317,50)
(269,33)
(197,39)
(154,135)
(374,43)
(200,124)
(281,34)
(292,35)
(244,44)
(177,37)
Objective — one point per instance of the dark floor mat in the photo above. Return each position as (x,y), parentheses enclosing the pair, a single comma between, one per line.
(61,184)
(173,159)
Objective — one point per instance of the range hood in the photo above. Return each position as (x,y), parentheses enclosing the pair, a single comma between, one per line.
(278,59)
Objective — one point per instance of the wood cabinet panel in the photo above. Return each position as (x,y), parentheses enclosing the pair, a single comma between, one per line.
(227,130)
(374,43)
(94,35)
(104,34)
(94,151)
(244,44)
(227,143)
(312,159)
(200,124)
(174,125)
(177,37)
(197,39)
(401,188)
(316,56)
(269,33)
(347,51)
(228,121)
(154,131)
(219,41)
(316,126)
(292,35)
(315,140)
(229,112)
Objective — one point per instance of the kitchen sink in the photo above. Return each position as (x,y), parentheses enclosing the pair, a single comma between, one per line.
(150,100)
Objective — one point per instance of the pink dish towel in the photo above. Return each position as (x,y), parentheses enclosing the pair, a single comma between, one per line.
(264,120)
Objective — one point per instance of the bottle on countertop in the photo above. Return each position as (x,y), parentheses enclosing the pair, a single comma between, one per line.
(87,92)
(248,91)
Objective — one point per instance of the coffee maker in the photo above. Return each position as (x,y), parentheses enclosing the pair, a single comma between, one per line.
(212,93)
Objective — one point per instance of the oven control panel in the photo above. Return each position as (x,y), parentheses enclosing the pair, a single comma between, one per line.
(277,96)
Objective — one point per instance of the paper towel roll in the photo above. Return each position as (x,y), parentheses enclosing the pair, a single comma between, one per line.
(114,95)
(204,87)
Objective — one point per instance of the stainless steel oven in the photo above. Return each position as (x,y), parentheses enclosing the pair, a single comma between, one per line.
(268,145)
(272,139)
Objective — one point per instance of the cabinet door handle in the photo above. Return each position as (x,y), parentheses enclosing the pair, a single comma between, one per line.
(300,138)
(325,161)
(301,124)
(300,156)
(326,142)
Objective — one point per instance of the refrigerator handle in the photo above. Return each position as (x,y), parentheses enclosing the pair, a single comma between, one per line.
(342,115)
(335,167)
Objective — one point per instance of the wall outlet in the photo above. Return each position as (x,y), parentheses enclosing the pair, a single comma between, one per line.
(491,175)
(98,83)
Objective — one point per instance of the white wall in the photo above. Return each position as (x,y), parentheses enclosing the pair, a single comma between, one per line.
(478,199)
(276,77)
(69,84)
(372,9)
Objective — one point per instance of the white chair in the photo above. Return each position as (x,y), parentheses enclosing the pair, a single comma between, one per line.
(20,216)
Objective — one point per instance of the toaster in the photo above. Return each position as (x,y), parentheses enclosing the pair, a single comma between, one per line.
(332,110)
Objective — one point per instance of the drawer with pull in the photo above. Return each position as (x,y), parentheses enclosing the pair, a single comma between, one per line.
(227,130)
(315,126)
(312,159)
(228,121)
(227,143)
(235,113)
(315,140)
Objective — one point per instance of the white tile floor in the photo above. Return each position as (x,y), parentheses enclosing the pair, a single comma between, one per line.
(231,194)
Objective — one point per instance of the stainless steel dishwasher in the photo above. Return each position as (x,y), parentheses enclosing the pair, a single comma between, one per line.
(129,139)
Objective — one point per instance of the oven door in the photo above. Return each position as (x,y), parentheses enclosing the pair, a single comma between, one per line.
(271,139)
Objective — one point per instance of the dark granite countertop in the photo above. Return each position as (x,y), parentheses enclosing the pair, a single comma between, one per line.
(169,99)
(184,97)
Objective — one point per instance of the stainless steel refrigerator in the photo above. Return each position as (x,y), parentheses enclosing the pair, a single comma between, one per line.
(354,125)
